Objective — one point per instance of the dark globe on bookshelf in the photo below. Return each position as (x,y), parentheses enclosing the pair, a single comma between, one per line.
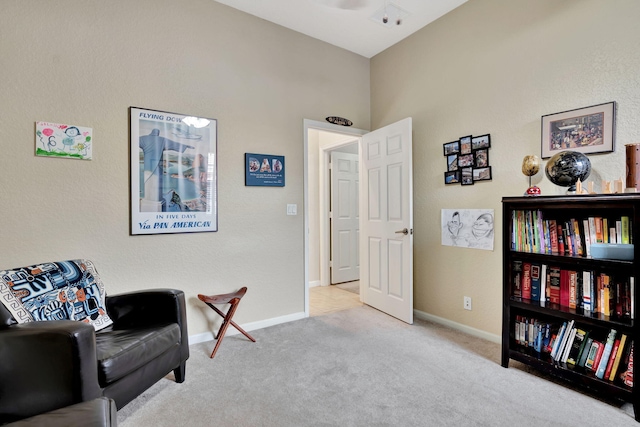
(566,167)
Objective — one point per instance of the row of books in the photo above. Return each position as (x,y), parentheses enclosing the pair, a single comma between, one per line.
(609,359)
(591,291)
(533,233)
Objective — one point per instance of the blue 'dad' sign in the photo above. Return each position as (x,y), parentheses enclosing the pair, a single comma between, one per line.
(263,170)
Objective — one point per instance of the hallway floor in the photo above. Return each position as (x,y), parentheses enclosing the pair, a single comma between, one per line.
(329,299)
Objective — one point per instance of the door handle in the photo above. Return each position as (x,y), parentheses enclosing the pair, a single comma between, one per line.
(404,231)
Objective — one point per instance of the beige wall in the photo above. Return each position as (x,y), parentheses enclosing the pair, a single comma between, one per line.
(497,66)
(490,66)
(86,62)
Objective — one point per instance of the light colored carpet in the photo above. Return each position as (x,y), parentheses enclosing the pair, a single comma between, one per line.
(360,367)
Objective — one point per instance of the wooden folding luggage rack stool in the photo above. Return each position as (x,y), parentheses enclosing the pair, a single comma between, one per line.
(232,298)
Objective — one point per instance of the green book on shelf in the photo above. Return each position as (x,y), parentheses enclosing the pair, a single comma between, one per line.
(577,347)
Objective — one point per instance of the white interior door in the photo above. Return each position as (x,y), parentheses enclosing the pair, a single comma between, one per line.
(345,226)
(386,225)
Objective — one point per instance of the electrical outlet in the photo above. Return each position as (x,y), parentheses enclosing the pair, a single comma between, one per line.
(467,303)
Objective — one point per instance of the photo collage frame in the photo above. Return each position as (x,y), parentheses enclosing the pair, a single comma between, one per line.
(468,160)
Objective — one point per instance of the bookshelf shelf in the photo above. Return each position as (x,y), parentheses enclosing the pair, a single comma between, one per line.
(566,314)
(574,260)
(557,310)
(590,382)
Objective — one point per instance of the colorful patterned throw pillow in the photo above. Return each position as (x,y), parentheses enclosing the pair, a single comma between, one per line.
(63,290)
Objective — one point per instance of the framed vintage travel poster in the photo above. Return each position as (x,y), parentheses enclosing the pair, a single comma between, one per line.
(173,173)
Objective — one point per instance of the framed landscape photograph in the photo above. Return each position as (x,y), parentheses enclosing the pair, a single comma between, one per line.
(588,130)
(451,148)
(482,141)
(482,174)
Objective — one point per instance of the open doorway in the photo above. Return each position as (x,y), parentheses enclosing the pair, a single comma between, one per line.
(386,223)
(321,141)
(343,213)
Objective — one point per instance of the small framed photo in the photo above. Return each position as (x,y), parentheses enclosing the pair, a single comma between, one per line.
(451,148)
(466,176)
(588,130)
(465,160)
(482,141)
(465,145)
(482,174)
(452,177)
(452,162)
(481,157)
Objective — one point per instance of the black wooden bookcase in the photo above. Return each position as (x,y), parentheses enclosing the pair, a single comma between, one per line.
(563,208)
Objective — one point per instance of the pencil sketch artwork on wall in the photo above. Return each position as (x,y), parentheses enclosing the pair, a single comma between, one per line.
(467,228)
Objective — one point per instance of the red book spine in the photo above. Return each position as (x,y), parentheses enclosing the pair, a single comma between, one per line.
(612,358)
(526,280)
(573,289)
(596,361)
(560,240)
(564,288)
(628,375)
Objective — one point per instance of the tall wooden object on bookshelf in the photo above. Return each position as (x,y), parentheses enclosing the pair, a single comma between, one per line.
(526,321)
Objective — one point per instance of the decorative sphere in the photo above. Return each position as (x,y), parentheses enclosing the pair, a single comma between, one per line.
(566,167)
(530,165)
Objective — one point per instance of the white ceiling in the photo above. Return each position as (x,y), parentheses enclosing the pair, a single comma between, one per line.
(355,25)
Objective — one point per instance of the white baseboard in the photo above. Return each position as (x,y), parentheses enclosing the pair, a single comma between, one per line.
(458,326)
(208,336)
(314,283)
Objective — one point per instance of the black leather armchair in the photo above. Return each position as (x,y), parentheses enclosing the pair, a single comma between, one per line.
(53,364)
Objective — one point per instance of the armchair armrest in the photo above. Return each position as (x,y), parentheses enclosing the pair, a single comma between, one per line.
(45,366)
(149,308)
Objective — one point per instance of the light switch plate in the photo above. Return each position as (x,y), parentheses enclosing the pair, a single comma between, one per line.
(292,209)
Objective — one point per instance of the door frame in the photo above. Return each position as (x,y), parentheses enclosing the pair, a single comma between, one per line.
(324,222)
